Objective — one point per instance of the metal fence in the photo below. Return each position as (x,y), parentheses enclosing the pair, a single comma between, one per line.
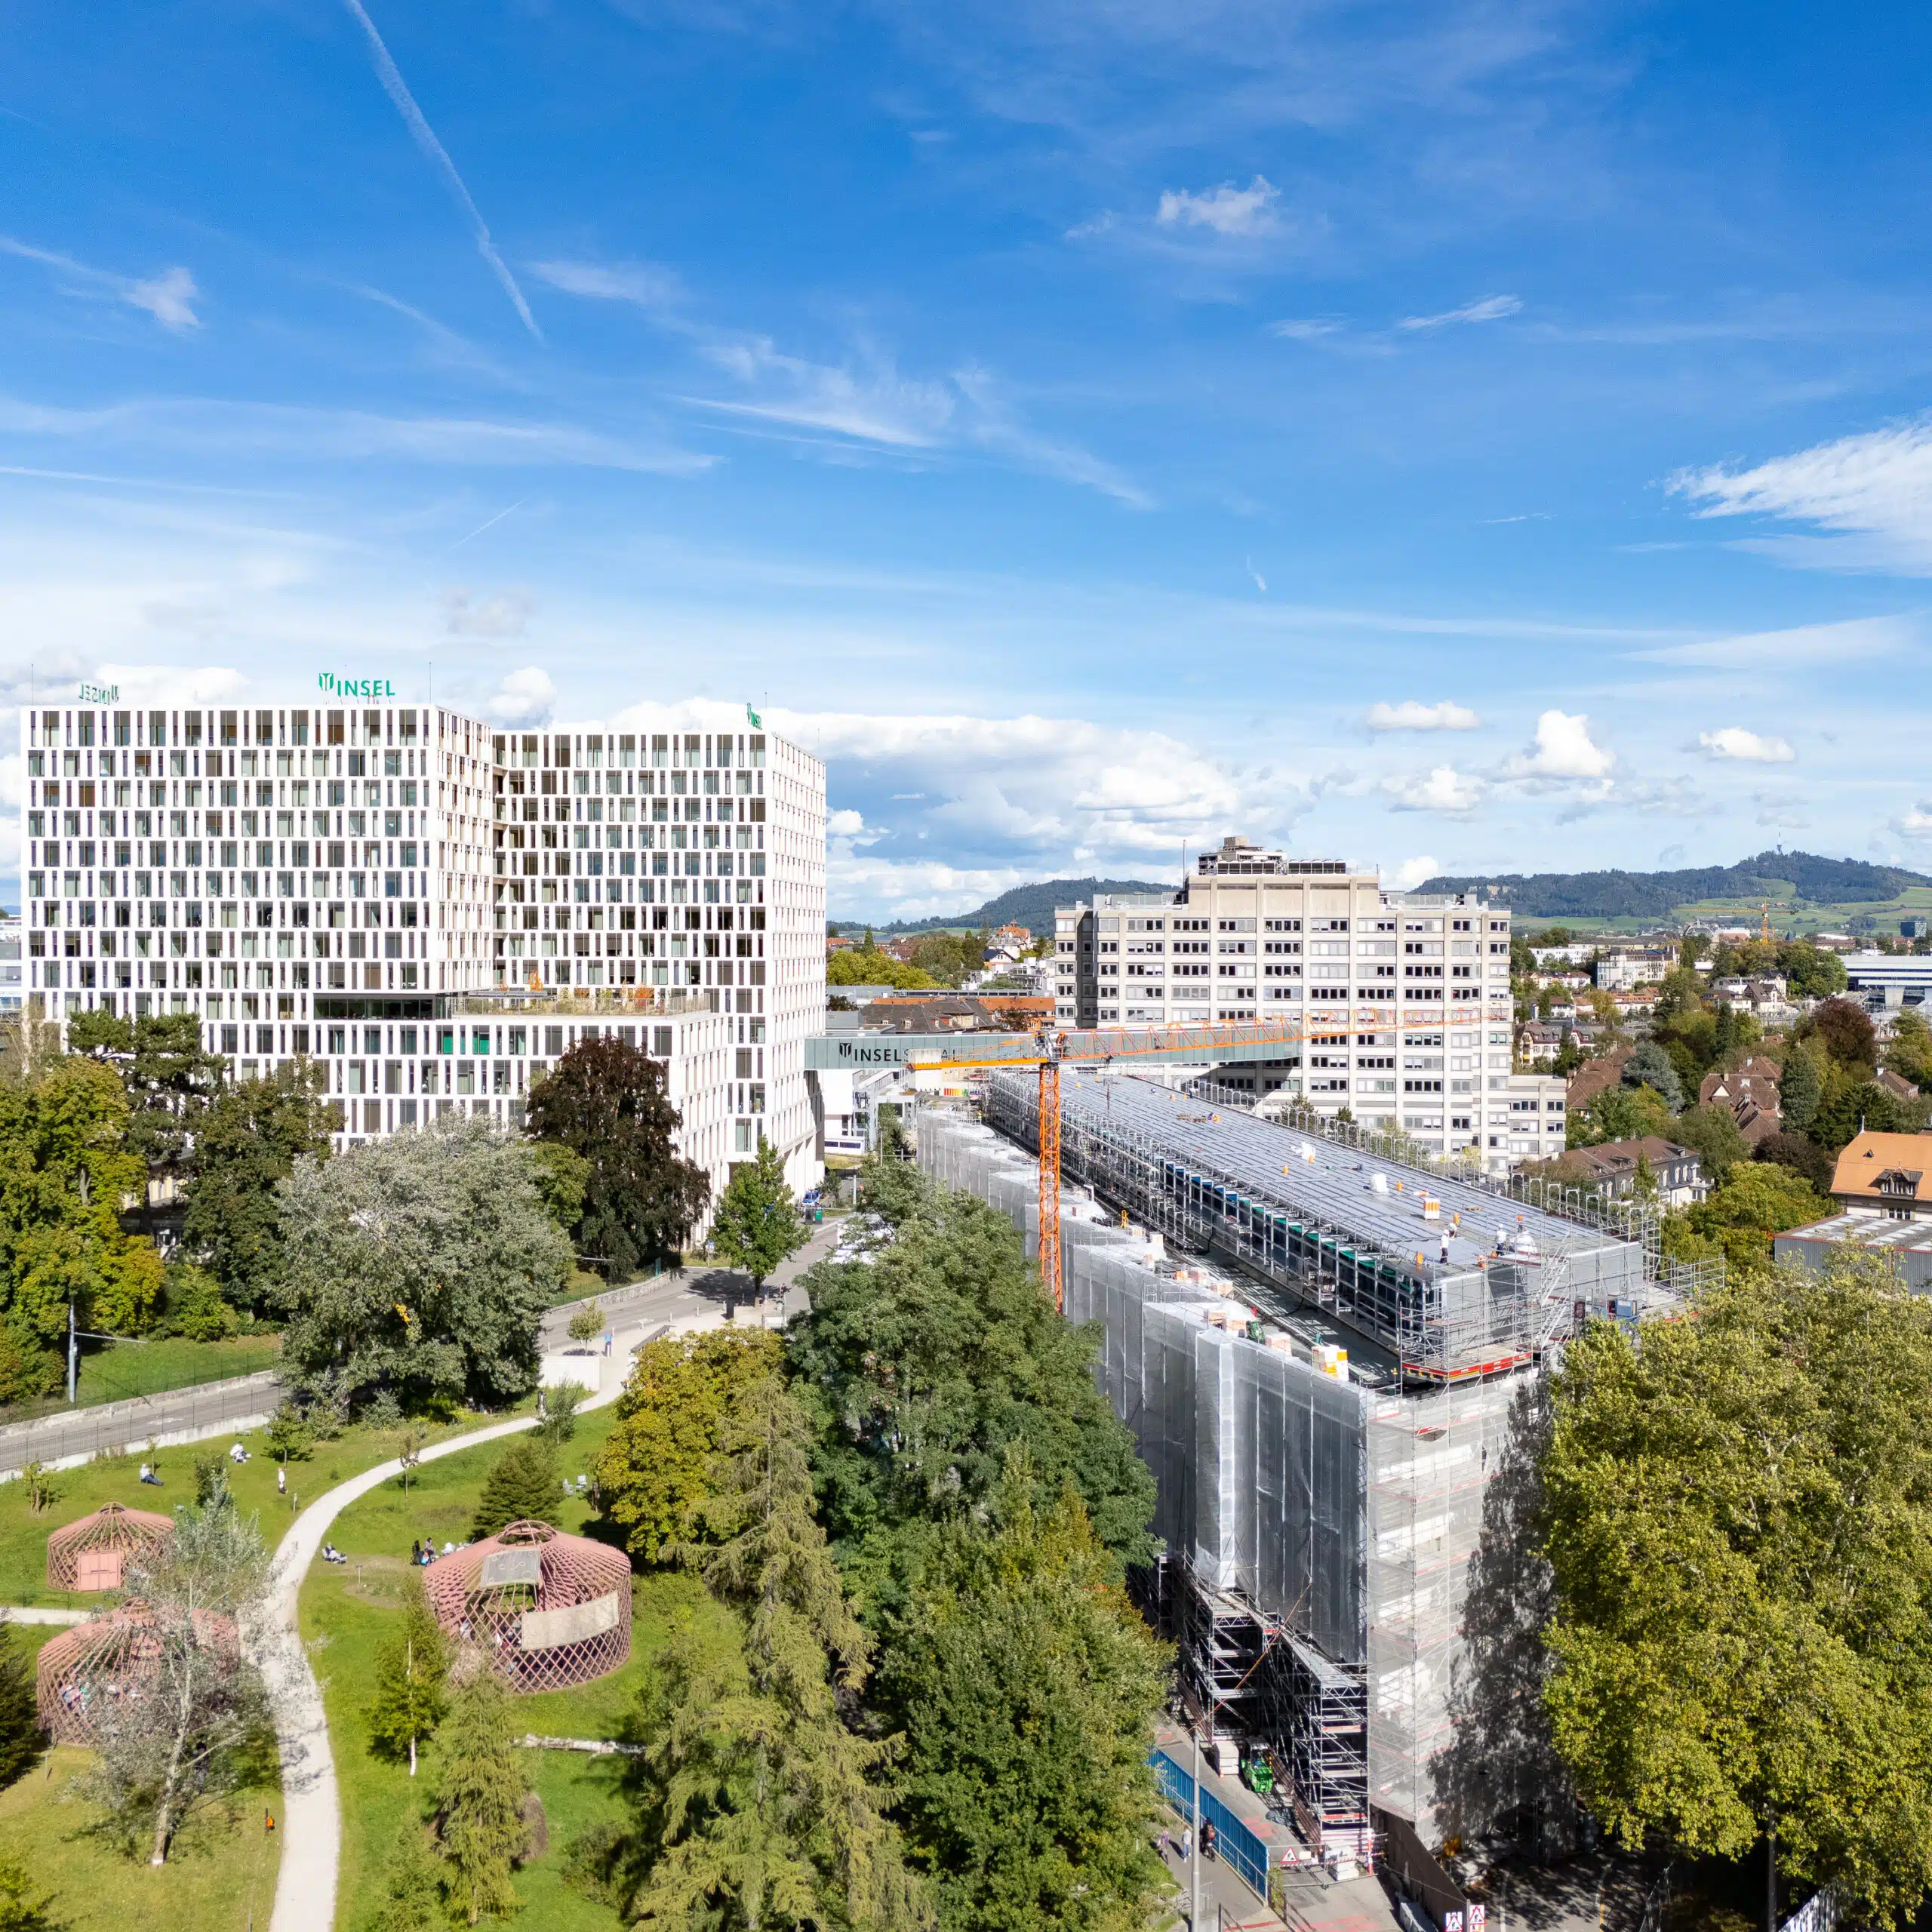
(178,1415)
(1235,1844)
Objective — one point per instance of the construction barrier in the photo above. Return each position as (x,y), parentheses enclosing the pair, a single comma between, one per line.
(1235,1845)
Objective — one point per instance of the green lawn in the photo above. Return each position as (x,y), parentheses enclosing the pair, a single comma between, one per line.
(149,1368)
(346,1612)
(220,1873)
(23,1535)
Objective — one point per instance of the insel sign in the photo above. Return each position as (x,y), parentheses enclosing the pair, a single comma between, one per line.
(337,687)
(100,694)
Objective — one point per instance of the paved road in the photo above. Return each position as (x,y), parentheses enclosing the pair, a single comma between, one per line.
(305,1899)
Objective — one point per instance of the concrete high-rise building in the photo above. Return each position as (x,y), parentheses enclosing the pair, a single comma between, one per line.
(1403,998)
(435,909)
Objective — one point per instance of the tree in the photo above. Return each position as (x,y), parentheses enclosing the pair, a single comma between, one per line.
(761,1810)
(24,1907)
(1649,1066)
(562,1175)
(1850,1106)
(171,1080)
(1737,1515)
(866,966)
(480,1790)
(1804,1157)
(1844,1028)
(1801,1085)
(1711,1133)
(20,1722)
(289,1439)
(522,1486)
(1679,995)
(411,1696)
(756,1224)
(586,1323)
(65,1174)
(1809,972)
(925,1366)
(559,1407)
(1618,1113)
(420,1264)
(249,1138)
(655,1466)
(606,1102)
(1759,1200)
(181,1746)
(1027,1687)
(412,1894)
(1908,1053)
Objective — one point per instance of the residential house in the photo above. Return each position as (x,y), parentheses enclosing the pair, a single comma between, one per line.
(1897,1085)
(1594,1076)
(1750,1090)
(1613,1165)
(1885,1174)
(1540,1041)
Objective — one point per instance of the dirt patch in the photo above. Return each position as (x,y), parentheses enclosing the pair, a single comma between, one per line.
(380,1581)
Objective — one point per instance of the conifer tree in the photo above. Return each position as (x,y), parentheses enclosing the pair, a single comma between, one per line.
(412,1899)
(411,1695)
(20,1720)
(522,1484)
(762,1809)
(480,1792)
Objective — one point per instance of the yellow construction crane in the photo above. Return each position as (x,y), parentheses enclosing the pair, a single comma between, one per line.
(1049,1049)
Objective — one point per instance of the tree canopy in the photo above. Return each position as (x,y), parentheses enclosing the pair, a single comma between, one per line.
(420,1264)
(1739,1522)
(756,1224)
(606,1102)
(927,1364)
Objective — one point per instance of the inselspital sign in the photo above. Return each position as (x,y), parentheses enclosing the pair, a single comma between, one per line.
(100,694)
(336,686)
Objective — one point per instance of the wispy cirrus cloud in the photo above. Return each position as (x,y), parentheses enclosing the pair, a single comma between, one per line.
(1852,639)
(1491,309)
(169,297)
(438,156)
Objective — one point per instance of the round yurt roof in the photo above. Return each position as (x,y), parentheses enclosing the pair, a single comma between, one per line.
(560,1569)
(114,1526)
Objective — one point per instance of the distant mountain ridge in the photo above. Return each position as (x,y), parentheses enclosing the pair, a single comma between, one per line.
(1028,905)
(1625,895)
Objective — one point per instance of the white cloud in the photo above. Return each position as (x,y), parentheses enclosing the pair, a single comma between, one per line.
(169,297)
(525,698)
(1563,751)
(1310,328)
(1878,484)
(643,285)
(949,809)
(1410,873)
(155,684)
(1227,210)
(1784,810)
(506,614)
(1915,822)
(1853,639)
(1491,309)
(1443,788)
(1411,714)
(1733,741)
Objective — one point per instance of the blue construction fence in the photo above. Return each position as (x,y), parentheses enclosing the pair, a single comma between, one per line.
(1235,1844)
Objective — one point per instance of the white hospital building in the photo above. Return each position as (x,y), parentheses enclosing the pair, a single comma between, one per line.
(434,908)
(1402,1001)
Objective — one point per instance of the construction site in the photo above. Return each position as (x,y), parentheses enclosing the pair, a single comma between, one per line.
(1320,1351)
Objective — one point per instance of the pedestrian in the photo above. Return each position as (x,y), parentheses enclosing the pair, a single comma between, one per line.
(282,1478)
(1443,1258)
(268,1821)
(1186,1843)
(1207,1839)
(608,1338)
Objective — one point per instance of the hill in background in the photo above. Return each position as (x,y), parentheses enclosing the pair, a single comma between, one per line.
(1626,895)
(1028,905)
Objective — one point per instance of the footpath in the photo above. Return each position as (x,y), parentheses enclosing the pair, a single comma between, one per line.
(311,1822)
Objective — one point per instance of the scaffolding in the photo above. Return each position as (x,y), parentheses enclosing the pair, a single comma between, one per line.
(1433,1269)
(1320,1516)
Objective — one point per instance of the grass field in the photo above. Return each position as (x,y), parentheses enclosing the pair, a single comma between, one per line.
(126,1370)
(345,1613)
(1802,919)
(23,1535)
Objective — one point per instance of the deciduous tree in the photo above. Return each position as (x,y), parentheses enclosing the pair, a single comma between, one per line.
(756,1224)
(606,1102)
(1739,1518)
(1759,1200)
(657,1464)
(248,1139)
(421,1264)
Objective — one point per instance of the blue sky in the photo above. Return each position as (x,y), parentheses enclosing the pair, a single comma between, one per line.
(1470,435)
